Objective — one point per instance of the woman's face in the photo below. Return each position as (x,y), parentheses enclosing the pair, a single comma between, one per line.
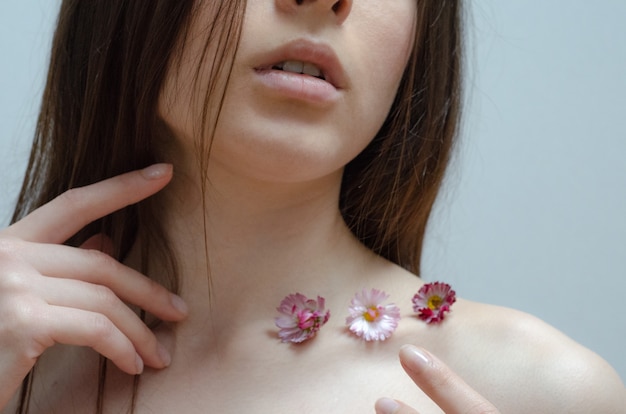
(280,124)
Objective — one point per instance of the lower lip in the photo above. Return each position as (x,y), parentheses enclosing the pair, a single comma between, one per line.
(298,86)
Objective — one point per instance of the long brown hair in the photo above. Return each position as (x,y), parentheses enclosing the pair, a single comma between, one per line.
(389,189)
(99,118)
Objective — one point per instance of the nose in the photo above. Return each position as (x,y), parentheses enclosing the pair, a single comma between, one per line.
(339,9)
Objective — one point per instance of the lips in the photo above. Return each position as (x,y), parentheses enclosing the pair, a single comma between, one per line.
(305,58)
(303,68)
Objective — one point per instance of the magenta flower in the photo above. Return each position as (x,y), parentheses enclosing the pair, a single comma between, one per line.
(300,318)
(369,318)
(433,300)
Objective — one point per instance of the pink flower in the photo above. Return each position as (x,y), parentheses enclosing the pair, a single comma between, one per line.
(433,300)
(369,318)
(300,318)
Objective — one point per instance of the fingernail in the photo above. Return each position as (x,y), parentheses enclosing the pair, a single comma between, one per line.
(138,364)
(386,406)
(164,354)
(156,171)
(415,358)
(179,304)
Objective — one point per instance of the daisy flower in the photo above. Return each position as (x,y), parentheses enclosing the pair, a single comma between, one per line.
(369,318)
(433,300)
(300,317)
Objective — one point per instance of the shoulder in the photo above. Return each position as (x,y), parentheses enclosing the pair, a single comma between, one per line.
(526,364)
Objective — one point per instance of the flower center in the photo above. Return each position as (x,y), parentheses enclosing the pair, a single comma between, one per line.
(306,320)
(371,314)
(434,302)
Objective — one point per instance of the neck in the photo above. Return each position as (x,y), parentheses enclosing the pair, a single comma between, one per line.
(246,244)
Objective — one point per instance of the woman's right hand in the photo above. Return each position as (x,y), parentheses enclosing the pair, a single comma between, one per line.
(51,293)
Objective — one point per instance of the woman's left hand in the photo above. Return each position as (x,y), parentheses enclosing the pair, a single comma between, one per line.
(440,383)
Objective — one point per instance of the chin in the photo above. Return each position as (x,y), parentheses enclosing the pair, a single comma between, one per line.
(283,148)
(277,160)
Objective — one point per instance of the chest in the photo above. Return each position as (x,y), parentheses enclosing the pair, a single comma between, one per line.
(343,383)
(345,388)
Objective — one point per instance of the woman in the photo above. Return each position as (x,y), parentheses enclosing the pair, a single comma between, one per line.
(300,146)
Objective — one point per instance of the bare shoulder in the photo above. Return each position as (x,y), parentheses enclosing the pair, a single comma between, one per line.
(526,365)
(518,362)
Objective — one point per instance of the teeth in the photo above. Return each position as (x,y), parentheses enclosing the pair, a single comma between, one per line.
(300,67)
(293,66)
(311,69)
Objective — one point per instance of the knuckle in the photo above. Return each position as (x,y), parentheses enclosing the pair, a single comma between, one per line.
(105,297)
(19,314)
(13,283)
(73,197)
(102,262)
(8,247)
(102,328)
(443,379)
(14,271)
(22,324)
(10,251)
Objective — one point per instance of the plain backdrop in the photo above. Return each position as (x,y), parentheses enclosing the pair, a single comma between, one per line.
(533,212)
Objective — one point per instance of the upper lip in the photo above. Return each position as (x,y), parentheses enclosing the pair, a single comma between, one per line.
(318,53)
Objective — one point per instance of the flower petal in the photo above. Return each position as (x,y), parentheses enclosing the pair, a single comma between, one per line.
(369,318)
(300,318)
(433,300)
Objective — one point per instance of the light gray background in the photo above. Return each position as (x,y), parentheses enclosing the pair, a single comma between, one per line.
(532,216)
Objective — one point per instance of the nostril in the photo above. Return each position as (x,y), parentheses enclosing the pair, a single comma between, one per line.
(342,8)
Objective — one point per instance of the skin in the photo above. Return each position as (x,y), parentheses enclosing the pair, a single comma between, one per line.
(287,141)
(273,229)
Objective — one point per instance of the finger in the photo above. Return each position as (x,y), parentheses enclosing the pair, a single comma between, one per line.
(72,326)
(441,384)
(64,216)
(98,268)
(99,242)
(389,406)
(100,299)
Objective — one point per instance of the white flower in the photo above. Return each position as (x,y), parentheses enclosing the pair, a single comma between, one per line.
(369,318)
